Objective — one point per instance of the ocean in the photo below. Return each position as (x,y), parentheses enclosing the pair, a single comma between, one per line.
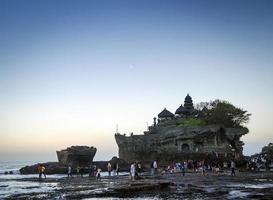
(10,184)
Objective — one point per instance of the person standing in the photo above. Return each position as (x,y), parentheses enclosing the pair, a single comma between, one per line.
(91,172)
(114,169)
(152,168)
(117,169)
(39,168)
(109,169)
(139,168)
(232,168)
(69,172)
(94,169)
(98,174)
(43,171)
(183,169)
(155,167)
(133,171)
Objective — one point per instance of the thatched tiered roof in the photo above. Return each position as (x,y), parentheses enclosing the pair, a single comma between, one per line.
(165,114)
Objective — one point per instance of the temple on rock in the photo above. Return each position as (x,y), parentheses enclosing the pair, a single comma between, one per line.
(171,139)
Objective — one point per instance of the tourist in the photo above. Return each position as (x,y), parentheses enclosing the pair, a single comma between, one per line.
(109,169)
(185,166)
(39,168)
(173,167)
(155,167)
(152,168)
(203,169)
(98,176)
(183,169)
(43,171)
(139,169)
(177,167)
(90,171)
(94,169)
(117,169)
(217,169)
(133,171)
(69,172)
(232,168)
(225,165)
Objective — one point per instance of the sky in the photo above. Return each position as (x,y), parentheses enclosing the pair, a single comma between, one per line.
(70,71)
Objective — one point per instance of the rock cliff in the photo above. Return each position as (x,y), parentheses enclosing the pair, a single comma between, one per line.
(170,142)
(77,156)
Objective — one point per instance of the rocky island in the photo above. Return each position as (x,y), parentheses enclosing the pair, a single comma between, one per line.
(77,156)
(187,134)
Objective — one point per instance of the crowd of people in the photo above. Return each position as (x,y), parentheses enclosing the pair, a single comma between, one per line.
(200,166)
(136,169)
(183,167)
(260,162)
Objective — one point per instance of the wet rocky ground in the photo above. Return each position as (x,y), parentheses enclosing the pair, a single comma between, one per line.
(168,186)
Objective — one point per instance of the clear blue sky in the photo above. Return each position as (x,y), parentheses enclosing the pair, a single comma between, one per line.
(71,70)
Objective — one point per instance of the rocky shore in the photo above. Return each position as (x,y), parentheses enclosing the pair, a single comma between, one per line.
(58,168)
(244,185)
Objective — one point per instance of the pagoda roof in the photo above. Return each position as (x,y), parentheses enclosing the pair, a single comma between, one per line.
(188,98)
(165,113)
(180,110)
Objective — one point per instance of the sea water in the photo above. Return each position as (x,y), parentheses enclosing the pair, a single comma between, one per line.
(10,184)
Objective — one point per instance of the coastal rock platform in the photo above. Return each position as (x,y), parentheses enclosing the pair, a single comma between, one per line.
(244,185)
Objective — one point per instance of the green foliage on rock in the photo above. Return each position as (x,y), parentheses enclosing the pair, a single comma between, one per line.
(268,149)
(222,112)
(191,122)
(267,152)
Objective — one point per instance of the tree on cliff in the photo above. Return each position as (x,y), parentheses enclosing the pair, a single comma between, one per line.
(223,112)
(267,151)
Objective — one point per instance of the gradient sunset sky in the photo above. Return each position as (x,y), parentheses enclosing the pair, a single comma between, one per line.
(71,70)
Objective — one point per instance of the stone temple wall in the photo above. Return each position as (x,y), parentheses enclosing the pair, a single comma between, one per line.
(170,143)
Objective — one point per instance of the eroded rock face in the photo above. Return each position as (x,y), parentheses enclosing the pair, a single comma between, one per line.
(77,156)
(169,143)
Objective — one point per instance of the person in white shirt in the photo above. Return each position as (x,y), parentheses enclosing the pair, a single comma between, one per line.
(133,171)
(69,172)
(155,167)
(109,169)
(98,174)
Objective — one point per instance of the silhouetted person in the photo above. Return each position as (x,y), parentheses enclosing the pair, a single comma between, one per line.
(39,168)
(232,168)
(98,174)
(69,172)
(109,169)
